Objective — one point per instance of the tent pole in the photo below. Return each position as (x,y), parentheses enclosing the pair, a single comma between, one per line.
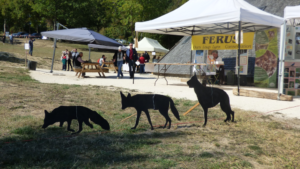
(51,71)
(191,60)
(239,53)
(89,53)
(281,59)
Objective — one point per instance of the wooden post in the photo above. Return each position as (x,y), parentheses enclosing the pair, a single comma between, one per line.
(191,109)
(128,117)
(25,54)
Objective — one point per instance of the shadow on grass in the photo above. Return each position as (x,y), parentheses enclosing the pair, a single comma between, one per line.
(54,148)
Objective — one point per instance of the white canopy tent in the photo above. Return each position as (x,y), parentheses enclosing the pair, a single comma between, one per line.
(148,44)
(198,17)
(292,17)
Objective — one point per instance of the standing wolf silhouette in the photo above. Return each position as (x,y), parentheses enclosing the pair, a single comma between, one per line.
(143,102)
(209,97)
(80,113)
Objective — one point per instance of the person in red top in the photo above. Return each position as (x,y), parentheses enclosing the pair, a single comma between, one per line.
(142,64)
(131,58)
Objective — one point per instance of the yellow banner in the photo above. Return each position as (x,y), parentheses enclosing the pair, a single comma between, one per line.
(221,42)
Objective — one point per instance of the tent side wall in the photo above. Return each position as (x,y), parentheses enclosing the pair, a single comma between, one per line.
(180,54)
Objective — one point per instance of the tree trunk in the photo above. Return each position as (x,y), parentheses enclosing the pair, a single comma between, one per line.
(54,24)
(4,26)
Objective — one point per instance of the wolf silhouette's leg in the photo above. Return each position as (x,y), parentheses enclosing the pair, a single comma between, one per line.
(137,119)
(226,108)
(165,114)
(80,127)
(69,125)
(88,123)
(232,113)
(148,117)
(61,124)
(205,116)
(166,123)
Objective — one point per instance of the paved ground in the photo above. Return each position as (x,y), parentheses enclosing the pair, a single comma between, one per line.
(177,89)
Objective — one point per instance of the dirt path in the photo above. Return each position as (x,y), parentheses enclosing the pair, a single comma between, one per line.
(177,89)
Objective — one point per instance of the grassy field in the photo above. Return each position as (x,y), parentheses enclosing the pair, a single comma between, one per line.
(254,141)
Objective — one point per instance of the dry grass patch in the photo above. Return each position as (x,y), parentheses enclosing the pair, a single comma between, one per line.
(254,141)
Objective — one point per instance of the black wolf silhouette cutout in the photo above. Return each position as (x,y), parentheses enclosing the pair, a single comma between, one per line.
(68,113)
(143,102)
(209,97)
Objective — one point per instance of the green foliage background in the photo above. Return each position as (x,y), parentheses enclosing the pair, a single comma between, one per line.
(113,18)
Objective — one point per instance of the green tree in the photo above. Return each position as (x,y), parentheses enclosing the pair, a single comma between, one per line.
(53,10)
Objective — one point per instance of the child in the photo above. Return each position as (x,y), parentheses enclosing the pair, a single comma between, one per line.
(142,64)
(102,60)
(64,61)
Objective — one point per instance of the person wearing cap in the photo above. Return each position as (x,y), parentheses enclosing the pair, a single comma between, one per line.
(119,57)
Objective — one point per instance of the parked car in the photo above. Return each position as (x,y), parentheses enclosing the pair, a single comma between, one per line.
(14,34)
(19,34)
(24,35)
(36,35)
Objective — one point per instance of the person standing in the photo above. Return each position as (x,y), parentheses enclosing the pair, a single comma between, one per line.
(119,57)
(147,57)
(64,60)
(4,38)
(31,45)
(131,57)
(69,61)
(142,64)
(74,56)
(11,39)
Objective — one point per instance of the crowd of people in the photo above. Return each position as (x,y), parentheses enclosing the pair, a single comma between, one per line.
(134,60)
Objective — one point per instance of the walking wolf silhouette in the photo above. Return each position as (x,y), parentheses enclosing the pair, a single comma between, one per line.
(68,113)
(209,97)
(143,102)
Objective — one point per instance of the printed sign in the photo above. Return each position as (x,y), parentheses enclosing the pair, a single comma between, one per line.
(26,46)
(243,63)
(266,51)
(221,42)
(199,58)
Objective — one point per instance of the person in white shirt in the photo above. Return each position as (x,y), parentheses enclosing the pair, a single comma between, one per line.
(219,68)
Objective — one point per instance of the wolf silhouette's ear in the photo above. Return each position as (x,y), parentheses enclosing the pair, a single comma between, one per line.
(129,95)
(46,112)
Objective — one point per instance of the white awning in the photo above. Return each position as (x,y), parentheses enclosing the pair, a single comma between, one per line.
(292,15)
(197,17)
(148,44)
(106,47)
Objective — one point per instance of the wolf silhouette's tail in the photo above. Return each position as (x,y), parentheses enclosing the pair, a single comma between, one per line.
(174,110)
(98,119)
